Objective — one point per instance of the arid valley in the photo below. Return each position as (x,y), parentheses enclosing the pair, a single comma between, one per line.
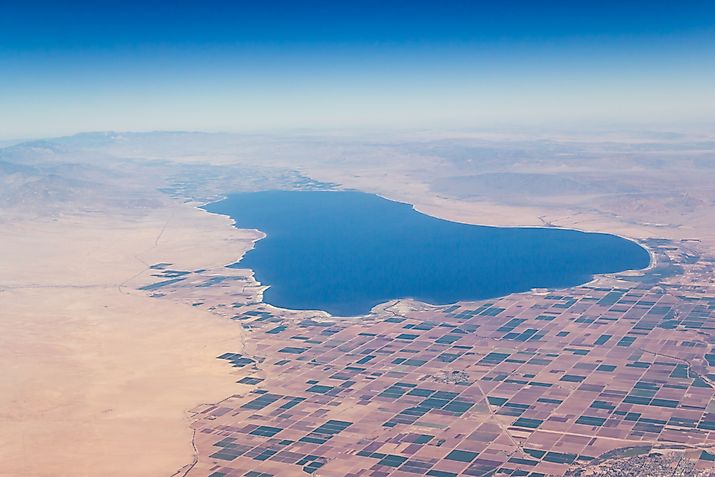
(129,348)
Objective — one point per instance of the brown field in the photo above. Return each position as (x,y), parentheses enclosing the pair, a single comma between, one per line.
(539,382)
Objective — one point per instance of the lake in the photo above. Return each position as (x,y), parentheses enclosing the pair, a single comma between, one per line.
(345,252)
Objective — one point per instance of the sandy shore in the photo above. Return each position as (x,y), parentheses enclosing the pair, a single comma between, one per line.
(98,378)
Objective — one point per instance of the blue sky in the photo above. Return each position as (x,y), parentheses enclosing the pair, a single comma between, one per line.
(77,66)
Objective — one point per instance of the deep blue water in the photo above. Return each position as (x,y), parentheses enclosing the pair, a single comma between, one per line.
(345,252)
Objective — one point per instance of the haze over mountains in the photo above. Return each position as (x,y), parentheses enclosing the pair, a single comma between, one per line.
(670,176)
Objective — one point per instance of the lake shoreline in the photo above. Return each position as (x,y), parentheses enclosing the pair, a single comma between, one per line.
(436,302)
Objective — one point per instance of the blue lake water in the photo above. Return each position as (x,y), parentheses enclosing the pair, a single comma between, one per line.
(345,252)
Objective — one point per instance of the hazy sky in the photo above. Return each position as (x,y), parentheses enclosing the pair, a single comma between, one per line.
(122,65)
